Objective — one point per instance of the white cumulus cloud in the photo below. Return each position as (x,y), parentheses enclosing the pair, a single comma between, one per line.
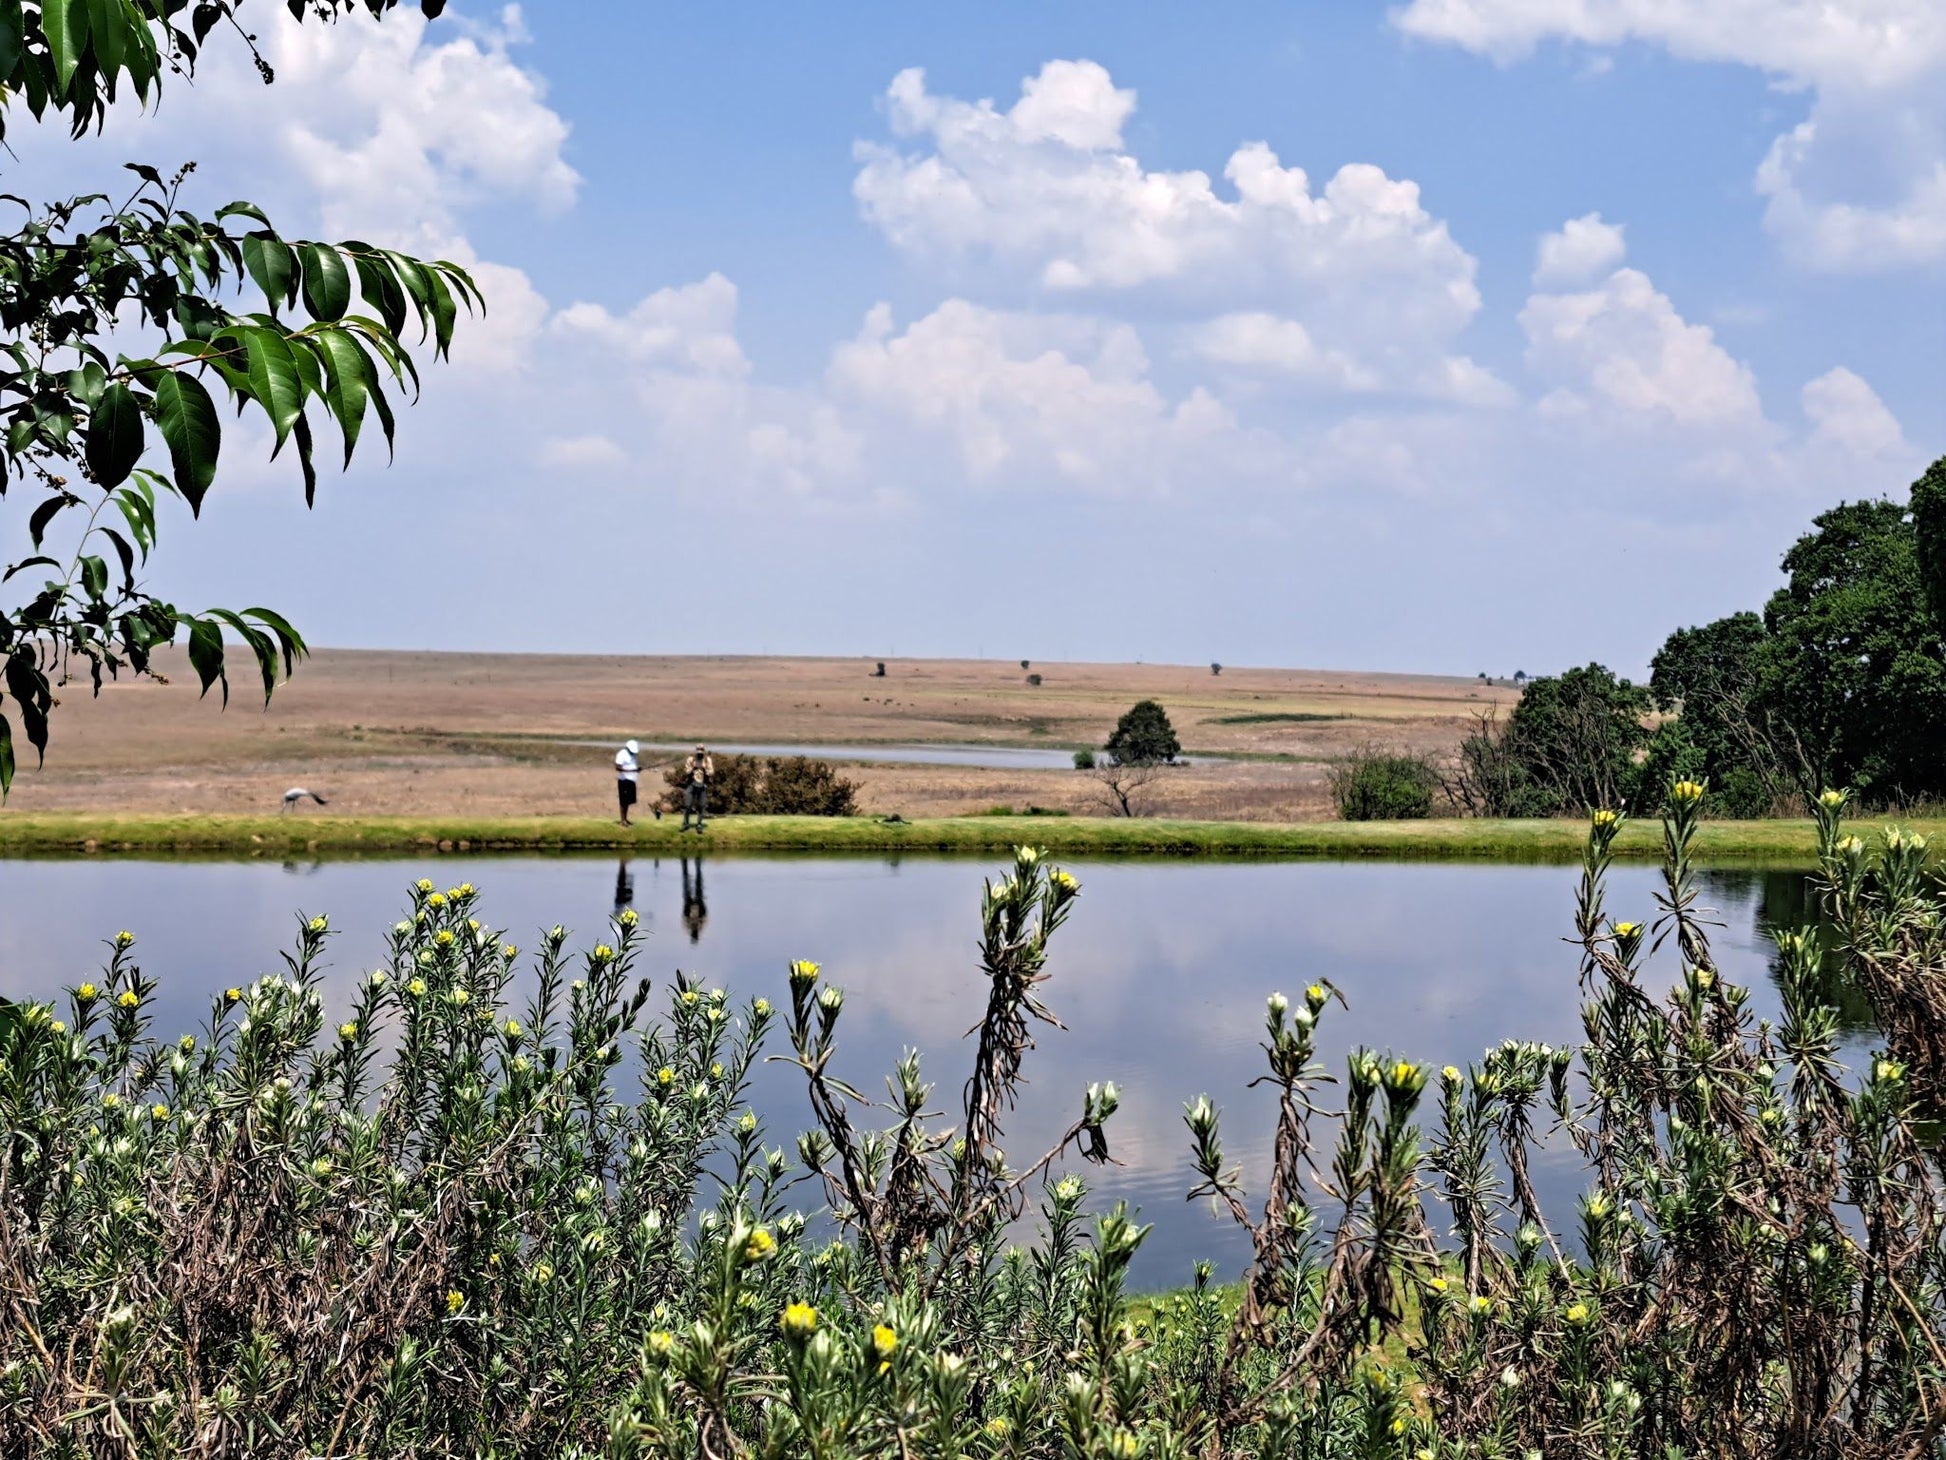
(1862,183)
(1581,250)
(1046,192)
(1622,344)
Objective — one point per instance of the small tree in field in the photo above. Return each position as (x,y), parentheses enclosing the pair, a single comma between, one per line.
(1144,736)
(1124,785)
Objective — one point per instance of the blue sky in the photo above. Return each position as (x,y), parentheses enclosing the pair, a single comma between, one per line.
(1016,329)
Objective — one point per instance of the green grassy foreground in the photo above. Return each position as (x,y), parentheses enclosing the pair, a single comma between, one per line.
(1777,843)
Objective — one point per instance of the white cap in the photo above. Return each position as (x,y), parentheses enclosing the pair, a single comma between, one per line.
(631,747)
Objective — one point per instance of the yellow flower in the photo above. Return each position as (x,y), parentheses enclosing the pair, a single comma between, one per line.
(1438,1284)
(321,1167)
(716,1071)
(111,1100)
(1064,879)
(230,996)
(438,899)
(998,1426)
(1451,1075)
(1122,1445)
(804,971)
(1831,800)
(124,938)
(348,1030)
(318,925)
(416,987)
(1404,1072)
(1890,1071)
(509,952)
(1314,996)
(884,1341)
(1577,1314)
(759,1246)
(662,1343)
(762,1007)
(689,997)
(1627,930)
(461,996)
(602,953)
(424,884)
(444,937)
(85,992)
(542,1272)
(1480,1303)
(1686,793)
(465,889)
(159,1111)
(512,1028)
(665,1076)
(1604,818)
(57,1026)
(628,919)
(128,998)
(1398,1425)
(454,1300)
(799,1322)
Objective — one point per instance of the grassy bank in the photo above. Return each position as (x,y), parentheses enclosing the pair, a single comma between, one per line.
(66,834)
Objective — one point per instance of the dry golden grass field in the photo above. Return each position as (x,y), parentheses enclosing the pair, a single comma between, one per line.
(387,733)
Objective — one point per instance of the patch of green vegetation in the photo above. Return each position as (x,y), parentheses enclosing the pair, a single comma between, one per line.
(1274,717)
(1777,843)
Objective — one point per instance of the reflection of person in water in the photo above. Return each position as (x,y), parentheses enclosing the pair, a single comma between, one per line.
(624,888)
(694,911)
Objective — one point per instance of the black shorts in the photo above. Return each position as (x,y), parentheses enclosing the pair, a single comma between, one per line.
(626,790)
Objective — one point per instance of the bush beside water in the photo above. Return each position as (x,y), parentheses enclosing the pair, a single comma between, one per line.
(444,1227)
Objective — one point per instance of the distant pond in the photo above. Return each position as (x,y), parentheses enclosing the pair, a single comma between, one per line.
(1160,975)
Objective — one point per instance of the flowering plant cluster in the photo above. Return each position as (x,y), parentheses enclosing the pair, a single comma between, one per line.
(449,1225)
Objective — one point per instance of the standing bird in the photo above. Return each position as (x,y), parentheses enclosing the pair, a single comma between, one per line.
(297,793)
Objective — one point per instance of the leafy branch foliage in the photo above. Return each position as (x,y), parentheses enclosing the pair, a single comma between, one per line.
(78,419)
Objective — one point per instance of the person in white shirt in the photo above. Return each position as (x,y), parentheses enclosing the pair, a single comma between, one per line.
(627,768)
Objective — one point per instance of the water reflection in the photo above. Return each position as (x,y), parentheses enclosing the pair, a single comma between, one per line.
(1160,976)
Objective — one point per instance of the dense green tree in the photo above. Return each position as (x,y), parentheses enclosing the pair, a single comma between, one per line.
(319,341)
(1852,672)
(1144,736)
(1929,522)
(1570,744)
(1709,676)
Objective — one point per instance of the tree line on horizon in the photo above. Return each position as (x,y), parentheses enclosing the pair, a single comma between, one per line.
(1838,680)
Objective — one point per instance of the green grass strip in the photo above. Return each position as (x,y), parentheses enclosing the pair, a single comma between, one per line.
(1772,843)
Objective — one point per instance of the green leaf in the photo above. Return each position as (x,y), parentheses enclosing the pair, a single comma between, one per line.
(445,313)
(108,24)
(271,265)
(114,442)
(94,576)
(13,33)
(206,654)
(349,379)
(28,685)
(241,209)
(274,380)
(65,24)
(6,756)
(380,286)
(327,282)
(186,416)
(137,506)
(45,513)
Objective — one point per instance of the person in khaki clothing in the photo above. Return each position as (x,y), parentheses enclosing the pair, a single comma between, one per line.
(697,775)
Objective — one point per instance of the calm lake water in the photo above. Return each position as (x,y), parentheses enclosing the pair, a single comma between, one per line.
(990,757)
(1160,975)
